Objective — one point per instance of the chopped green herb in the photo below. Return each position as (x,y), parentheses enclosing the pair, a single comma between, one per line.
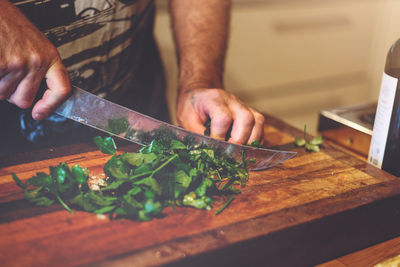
(167,172)
(229,201)
(106,145)
(255,143)
(313,145)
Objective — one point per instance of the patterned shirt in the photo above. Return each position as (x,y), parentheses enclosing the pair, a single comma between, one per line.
(105,45)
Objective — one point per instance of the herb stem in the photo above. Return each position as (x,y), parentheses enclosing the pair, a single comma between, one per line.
(140,175)
(226,204)
(63,204)
(164,164)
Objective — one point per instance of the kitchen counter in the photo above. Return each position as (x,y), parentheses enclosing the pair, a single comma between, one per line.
(311,209)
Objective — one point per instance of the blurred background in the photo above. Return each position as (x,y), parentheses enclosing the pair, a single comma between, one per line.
(293,58)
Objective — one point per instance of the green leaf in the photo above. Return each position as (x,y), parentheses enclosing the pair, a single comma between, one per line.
(104,210)
(299,141)
(36,196)
(149,158)
(131,202)
(106,145)
(209,152)
(201,190)
(96,197)
(80,175)
(144,168)
(317,140)
(175,144)
(313,148)
(59,174)
(156,147)
(151,183)
(117,173)
(196,202)
(114,185)
(136,159)
(134,191)
(116,168)
(82,201)
(42,201)
(152,207)
(41,179)
(255,143)
(182,182)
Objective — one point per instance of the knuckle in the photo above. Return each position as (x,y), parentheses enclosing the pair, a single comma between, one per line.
(36,61)
(17,63)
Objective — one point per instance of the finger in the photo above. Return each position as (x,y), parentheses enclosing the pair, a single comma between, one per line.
(194,124)
(221,120)
(257,132)
(27,89)
(58,91)
(9,83)
(242,125)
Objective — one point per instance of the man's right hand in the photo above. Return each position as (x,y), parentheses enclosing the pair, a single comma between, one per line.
(26,57)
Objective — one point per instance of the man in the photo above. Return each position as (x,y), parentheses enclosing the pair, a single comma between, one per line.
(106,46)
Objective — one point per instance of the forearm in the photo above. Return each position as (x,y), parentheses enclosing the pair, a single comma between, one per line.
(201,33)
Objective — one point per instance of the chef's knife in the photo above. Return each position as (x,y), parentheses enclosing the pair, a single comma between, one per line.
(97,112)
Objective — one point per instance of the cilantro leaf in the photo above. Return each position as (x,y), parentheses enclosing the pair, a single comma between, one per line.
(300,141)
(106,145)
(312,145)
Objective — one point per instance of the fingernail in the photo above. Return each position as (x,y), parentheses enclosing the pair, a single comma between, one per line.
(38,116)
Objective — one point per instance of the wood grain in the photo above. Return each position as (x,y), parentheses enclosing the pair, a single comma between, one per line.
(369,256)
(296,214)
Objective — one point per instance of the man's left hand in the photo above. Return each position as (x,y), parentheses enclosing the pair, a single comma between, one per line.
(224,109)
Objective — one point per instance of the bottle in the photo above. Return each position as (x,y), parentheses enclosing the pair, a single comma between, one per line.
(384,151)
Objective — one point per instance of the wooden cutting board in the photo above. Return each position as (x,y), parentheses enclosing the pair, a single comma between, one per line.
(312,208)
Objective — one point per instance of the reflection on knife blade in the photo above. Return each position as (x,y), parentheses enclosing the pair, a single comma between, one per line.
(114,119)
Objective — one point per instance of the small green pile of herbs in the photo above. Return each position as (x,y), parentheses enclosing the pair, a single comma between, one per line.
(139,185)
(312,145)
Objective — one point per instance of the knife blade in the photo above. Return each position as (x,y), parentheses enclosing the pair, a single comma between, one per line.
(96,112)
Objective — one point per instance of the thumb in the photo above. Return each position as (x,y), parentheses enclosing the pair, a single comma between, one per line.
(58,91)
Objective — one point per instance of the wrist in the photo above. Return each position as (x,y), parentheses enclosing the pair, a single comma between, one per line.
(199,83)
(196,73)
